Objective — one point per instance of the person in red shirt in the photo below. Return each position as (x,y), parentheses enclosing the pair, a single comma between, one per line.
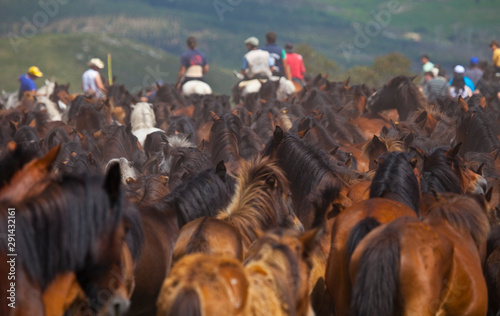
(296,64)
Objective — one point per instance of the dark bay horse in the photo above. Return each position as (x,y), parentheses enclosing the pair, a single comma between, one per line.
(430,267)
(394,193)
(398,93)
(71,234)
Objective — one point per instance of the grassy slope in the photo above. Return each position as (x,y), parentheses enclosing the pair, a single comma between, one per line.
(64,57)
(451,31)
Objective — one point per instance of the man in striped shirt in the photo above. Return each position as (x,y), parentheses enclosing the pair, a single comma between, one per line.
(434,88)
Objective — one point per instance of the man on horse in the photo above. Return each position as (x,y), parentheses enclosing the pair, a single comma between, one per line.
(91,79)
(257,63)
(193,64)
(296,64)
(27,81)
(278,54)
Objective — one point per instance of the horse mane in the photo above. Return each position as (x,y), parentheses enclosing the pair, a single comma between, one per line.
(394,179)
(182,162)
(201,195)
(135,234)
(391,144)
(183,125)
(142,116)
(147,188)
(253,206)
(57,230)
(224,140)
(475,132)
(28,137)
(120,142)
(437,175)
(462,212)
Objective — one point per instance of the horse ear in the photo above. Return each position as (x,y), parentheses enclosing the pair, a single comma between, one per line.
(90,157)
(319,116)
(236,285)
(202,145)
(214,116)
(376,142)
(413,78)
(419,152)
(453,152)
(221,170)
(13,126)
(488,195)
(422,117)
(303,132)
(413,162)
(309,241)
(128,129)
(348,163)
(112,183)
(480,170)
(482,102)
(50,157)
(97,134)
(463,105)
(130,180)
(334,151)
(384,132)
(346,82)
(277,135)
(33,124)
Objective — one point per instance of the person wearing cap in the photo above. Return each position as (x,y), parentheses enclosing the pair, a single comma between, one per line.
(278,54)
(296,64)
(27,81)
(193,64)
(458,85)
(91,79)
(474,72)
(459,72)
(257,63)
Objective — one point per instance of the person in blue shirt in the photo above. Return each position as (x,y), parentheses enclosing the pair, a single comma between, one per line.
(27,80)
(278,54)
(193,64)
(460,70)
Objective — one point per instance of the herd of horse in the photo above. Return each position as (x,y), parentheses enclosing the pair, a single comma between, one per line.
(337,199)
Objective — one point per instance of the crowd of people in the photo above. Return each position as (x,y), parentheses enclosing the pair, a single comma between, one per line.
(463,83)
(272,60)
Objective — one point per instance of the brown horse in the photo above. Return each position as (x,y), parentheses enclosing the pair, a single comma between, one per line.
(432,267)
(51,271)
(394,193)
(272,282)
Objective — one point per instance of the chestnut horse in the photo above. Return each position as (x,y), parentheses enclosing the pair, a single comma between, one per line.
(273,280)
(394,193)
(433,267)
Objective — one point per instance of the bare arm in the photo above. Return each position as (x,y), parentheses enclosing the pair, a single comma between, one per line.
(205,69)
(99,84)
(181,72)
(287,69)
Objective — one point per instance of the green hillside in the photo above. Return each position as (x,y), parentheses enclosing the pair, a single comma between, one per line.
(64,57)
(350,32)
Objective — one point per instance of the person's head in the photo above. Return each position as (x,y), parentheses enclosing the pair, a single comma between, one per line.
(494,45)
(428,75)
(34,72)
(458,76)
(96,64)
(271,37)
(191,42)
(252,42)
(424,59)
(474,61)
(289,48)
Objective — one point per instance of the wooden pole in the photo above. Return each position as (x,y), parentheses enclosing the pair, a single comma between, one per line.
(110,71)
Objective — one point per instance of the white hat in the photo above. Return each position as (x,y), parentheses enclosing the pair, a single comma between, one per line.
(459,69)
(254,41)
(96,62)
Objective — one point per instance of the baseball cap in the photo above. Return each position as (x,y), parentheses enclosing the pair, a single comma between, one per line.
(474,60)
(254,41)
(459,69)
(33,70)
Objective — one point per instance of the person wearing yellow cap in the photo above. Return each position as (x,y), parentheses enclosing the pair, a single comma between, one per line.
(27,80)
(91,79)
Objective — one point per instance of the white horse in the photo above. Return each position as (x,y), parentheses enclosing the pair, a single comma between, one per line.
(174,141)
(285,87)
(143,121)
(196,87)
(126,169)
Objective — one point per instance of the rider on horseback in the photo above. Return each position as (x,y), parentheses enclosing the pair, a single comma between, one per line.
(193,64)
(257,63)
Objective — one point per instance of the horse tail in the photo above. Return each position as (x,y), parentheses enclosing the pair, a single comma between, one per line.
(186,303)
(359,231)
(376,284)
